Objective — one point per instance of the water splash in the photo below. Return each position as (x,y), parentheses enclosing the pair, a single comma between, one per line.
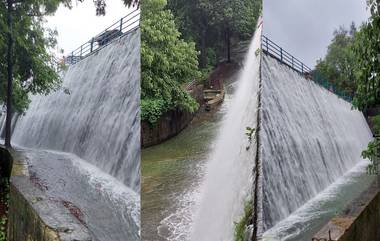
(228,178)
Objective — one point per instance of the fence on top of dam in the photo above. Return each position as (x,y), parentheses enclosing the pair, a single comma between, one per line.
(120,28)
(274,50)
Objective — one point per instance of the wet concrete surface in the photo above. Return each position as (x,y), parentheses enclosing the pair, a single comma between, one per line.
(105,206)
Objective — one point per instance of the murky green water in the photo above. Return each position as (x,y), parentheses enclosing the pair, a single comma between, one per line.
(171,174)
(169,171)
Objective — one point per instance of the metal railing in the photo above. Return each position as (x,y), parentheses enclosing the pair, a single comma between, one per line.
(271,48)
(124,26)
(274,50)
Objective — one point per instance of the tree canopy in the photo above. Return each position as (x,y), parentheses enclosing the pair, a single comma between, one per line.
(34,66)
(339,63)
(212,24)
(367,49)
(167,62)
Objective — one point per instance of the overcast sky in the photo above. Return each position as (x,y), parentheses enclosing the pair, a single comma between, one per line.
(305,27)
(78,25)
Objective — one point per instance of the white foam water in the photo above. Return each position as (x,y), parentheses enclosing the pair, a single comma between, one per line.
(99,120)
(228,178)
(309,139)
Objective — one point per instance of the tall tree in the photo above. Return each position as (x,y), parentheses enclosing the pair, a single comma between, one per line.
(367,49)
(213,23)
(338,64)
(8,120)
(29,66)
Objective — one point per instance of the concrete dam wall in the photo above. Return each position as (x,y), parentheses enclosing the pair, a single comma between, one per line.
(81,152)
(309,138)
(98,118)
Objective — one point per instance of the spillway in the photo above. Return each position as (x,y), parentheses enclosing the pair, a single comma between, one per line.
(98,117)
(83,141)
(310,139)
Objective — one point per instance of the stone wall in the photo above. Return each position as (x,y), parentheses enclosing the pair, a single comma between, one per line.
(360,222)
(33,216)
(170,124)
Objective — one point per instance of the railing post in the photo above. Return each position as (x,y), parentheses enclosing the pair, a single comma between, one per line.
(281,54)
(72,58)
(92,45)
(302,67)
(266,40)
(121,24)
(292,62)
(81,47)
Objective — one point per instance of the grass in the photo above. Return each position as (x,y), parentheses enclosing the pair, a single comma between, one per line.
(240,226)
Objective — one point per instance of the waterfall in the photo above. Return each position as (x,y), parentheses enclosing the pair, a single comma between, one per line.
(228,178)
(98,117)
(309,139)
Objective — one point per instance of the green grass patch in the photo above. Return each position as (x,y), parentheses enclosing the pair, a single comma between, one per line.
(240,226)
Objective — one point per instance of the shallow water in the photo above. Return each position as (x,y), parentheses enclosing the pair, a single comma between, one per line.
(109,209)
(171,173)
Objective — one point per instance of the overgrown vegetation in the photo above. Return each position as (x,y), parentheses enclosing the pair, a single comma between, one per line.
(167,61)
(182,41)
(4,203)
(240,227)
(367,51)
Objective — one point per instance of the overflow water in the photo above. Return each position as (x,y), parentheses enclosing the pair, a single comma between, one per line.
(96,123)
(99,119)
(309,138)
(228,178)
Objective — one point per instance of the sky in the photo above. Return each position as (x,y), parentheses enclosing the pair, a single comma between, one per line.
(80,24)
(305,27)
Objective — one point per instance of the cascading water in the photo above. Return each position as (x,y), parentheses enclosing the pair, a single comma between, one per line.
(228,178)
(99,119)
(96,127)
(309,139)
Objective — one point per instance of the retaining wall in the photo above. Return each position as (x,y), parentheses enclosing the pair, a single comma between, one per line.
(170,124)
(33,216)
(360,221)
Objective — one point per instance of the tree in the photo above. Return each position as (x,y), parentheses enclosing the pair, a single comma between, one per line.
(339,63)
(367,49)
(232,18)
(29,66)
(213,23)
(193,22)
(167,62)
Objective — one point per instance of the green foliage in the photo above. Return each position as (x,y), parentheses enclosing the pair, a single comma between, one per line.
(375,122)
(338,65)
(240,227)
(367,49)
(373,154)
(167,62)
(249,132)
(213,23)
(373,150)
(35,68)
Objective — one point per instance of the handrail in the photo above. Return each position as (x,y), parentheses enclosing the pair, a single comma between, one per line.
(274,50)
(125,25)
(279,53)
